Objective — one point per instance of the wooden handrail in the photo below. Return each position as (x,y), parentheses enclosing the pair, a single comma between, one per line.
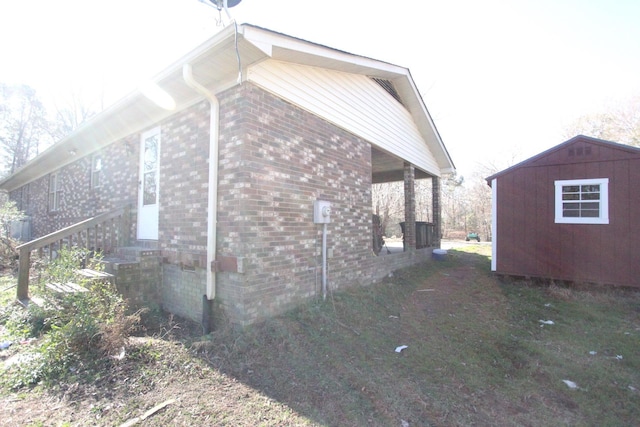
(68,233)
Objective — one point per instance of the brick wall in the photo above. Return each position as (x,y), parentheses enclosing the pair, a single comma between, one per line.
(138,276)
(184,174)
(79,200)
(182,290)
(276,159)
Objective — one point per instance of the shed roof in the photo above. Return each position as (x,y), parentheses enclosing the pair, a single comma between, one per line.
(219,64)
(547,156)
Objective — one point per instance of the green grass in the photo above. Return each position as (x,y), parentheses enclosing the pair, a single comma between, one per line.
(7,289)
(477,352)
(477,355)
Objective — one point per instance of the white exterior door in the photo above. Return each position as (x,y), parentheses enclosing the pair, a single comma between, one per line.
(149,185)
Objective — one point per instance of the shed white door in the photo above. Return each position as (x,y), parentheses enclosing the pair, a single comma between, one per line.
(149,185)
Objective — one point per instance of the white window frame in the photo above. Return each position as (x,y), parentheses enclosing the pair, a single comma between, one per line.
(602,218)
(55,192)
(96,172)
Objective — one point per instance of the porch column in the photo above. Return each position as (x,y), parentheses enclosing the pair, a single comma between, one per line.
(409,207)
(437,214)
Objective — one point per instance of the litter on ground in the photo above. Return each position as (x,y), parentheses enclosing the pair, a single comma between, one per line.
(400,348)
(547,322)
(570,384)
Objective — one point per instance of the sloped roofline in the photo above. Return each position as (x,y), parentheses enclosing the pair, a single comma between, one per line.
(214,64)
(577,138)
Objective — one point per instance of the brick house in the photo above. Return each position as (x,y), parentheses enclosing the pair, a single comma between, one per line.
(221,161)
(569,213)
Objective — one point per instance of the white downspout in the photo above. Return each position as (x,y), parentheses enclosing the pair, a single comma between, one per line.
(212,202)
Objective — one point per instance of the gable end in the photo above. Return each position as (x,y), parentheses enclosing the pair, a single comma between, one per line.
(583,150)
(391,90)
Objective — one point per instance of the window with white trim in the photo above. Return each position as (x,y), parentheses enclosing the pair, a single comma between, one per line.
(582,201)
(96,171)
(55,192)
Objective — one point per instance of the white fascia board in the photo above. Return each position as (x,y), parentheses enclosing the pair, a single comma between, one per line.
(274,44)
(424,121)
(258,38)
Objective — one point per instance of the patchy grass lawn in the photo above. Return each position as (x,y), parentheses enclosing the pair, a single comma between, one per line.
(480,351)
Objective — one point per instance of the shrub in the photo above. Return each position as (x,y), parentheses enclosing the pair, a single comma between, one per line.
(76,330)
(8,214)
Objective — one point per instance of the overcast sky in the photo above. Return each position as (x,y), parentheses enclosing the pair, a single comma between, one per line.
(502,79)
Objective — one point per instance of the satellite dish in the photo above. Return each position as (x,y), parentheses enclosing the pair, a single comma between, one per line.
(221,3)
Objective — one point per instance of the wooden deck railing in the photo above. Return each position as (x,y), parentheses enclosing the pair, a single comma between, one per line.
(103,233)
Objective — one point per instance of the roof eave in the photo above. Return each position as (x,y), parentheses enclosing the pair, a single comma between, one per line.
(217,64)
(573,140)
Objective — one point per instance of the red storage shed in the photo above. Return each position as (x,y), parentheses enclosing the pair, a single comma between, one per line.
(570,213)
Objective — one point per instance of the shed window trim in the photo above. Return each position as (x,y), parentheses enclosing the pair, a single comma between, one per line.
(582,201)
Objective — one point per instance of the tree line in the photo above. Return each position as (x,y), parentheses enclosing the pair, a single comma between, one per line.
(27,127)
(466,201)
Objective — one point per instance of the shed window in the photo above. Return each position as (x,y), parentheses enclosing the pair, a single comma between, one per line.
(582,201)
(55,192)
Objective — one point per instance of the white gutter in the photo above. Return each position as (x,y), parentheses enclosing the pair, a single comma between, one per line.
(212,202)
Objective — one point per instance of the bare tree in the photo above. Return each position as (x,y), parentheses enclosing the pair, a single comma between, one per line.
(70,114)
(424,198)
(453,203)
(478,198)
(620,123)
(388,204)
(23,125)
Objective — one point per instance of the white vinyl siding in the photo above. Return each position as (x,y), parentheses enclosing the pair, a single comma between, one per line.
(353,102)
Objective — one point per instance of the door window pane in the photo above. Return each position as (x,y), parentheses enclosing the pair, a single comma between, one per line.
(150,160)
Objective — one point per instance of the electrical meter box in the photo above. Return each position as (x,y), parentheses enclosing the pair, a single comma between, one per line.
(321,212)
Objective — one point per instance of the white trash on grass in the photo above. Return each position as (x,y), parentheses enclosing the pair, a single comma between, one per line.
(400,348)
(570,384)
(547,322)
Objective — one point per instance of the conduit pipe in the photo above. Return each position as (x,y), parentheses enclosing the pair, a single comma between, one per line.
(324,261)
(212,200)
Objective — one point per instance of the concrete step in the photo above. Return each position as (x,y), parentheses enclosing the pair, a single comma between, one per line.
(136,253)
